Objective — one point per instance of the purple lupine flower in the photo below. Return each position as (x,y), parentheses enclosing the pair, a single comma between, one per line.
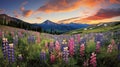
(118,51)
(64,44)
(99,37)
(119,57)
(118,47)
(83,40)
(20,35)
(5,47)
(11,56)
(31,39)
(65,54)
(43,55)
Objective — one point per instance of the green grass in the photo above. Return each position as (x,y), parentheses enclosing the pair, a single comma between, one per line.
(95,30)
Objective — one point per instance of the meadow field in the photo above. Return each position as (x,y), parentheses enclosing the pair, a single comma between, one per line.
(23,48)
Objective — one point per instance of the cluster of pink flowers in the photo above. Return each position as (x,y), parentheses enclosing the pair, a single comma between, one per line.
(20,34)
(52,58)
(110,48)
(82,50)
(93,62)
(71,46)
(98,47)
(38,38)
(57,46)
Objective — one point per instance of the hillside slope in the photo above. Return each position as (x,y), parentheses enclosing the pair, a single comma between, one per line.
(104,27)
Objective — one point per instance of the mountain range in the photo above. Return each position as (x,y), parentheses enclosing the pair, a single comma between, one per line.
(47,26)
(50,26)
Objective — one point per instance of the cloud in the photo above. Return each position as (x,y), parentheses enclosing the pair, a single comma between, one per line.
(22,5)
(70,5)
(22,8)
(59,6)
(115,1)
(39,18)
(16,14)
(104,14)
(68,20)
(27,13)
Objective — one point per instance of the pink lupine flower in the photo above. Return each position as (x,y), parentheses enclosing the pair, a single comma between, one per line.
(12,34)
(110,48)
(46,45)
(85,64)
(0,33)
(71,46)
(57,46)
(20,34)
(51,44)
(38,39)
(52,58)
(113,42)
(51,47)
(93,61)
(98,47)
(59,55)
(82,49)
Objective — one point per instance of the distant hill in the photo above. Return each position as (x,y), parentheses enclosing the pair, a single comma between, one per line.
(101,27)
(15,22)
(52,27)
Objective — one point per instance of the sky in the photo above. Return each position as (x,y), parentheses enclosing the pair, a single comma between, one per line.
(62,11)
